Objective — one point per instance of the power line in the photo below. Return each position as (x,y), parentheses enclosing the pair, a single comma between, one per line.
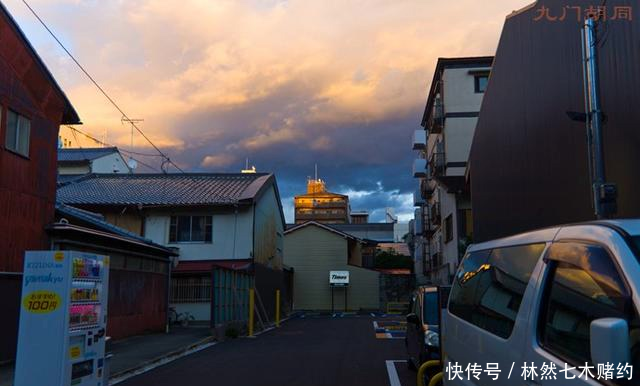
(74,130)
(167,159)
(109,145)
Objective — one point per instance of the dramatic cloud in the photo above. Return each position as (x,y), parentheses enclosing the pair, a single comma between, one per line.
(286,84)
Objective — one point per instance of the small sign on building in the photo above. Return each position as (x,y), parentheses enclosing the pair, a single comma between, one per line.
(339,278)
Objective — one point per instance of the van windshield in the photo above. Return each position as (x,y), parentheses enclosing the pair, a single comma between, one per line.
(431,308)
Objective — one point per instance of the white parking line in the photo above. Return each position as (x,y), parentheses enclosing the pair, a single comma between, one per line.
(394,380)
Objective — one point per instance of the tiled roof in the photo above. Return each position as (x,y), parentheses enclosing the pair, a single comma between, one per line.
(84,154)
(97,221)
(66,178)
(187,189)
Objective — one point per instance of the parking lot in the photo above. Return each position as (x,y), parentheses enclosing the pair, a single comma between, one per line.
(311,351)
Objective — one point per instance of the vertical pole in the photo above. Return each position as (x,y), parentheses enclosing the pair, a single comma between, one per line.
(332,299)
(251,310)
(277,308)
(345,298)
(594,117)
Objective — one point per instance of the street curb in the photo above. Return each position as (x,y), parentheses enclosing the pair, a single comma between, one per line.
(162,360)
(151,364)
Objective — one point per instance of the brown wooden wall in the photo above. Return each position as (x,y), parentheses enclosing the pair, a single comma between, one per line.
(528,159)
(27,185)
(137,303)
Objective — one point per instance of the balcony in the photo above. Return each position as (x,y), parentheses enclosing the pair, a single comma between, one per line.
(437,164)
(427,187)
(418,200)
(419,140)
(436,120)
(420,168)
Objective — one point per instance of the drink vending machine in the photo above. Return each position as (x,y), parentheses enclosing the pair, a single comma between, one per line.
(63,319)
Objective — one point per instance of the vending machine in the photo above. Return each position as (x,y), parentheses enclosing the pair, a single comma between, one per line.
(63,319)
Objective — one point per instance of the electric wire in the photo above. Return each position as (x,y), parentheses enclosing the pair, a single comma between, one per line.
(95,83)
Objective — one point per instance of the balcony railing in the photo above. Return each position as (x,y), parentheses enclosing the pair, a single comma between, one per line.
(427,187)
(437,164)
(436,120)
(419,140)
(435,213)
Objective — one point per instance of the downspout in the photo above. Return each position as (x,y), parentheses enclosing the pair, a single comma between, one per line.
(168,292)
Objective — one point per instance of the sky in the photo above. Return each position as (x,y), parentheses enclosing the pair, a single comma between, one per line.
(286,84)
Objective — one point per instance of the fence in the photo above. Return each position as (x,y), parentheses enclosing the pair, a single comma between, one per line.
(230,301)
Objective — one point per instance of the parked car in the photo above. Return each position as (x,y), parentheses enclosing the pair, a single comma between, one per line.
(422,339)
(560,296)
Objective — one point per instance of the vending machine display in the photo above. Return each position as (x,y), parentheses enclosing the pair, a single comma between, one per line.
(63,319)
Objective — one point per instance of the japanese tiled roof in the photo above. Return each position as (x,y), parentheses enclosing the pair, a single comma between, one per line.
(84,154)
(188,189)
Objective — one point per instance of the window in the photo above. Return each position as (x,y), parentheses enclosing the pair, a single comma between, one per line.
(448,228)
(583,285)
(18,133)
(480,82)
(190,229)
(191,289)
(489,286)
(431,308)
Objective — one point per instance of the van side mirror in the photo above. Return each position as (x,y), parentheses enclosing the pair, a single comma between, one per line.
(609,341)
(412,319)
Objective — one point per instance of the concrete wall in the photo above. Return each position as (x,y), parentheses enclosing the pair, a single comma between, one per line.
(75,169)
(313,252)
(112,163)
(459,90)
(232,235)
(200,311)
(457,145)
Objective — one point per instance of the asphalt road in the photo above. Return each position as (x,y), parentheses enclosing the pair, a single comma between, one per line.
(321,351)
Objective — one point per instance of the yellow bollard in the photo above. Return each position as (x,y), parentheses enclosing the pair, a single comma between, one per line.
(251,309)
(436,379)
(423,369)
(277,308)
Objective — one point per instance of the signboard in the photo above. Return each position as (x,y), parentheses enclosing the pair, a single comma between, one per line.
(339,278)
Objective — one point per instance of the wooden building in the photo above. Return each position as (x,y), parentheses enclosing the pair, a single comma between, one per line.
(528,163)
(32,108)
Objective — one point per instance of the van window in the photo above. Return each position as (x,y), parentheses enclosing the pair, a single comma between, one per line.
(585,285)
(489,287)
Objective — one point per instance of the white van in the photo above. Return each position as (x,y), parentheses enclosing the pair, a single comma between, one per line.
(563,297)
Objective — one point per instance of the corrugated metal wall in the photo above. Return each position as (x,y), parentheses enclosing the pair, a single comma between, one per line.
(529,160)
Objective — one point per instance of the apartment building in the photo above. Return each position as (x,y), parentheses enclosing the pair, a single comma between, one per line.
(443,221)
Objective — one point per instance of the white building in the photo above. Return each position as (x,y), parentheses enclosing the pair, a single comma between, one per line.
(443,223)
(80,161)
(232,221)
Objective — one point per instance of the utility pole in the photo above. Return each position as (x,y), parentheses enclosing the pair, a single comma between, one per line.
(604,194)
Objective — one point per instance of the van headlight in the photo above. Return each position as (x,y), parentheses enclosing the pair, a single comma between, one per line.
(431,338)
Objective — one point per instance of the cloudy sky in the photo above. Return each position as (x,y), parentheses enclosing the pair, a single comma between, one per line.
(285,83)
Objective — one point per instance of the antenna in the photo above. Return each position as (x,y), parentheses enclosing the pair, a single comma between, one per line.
(132,122)
(316,172)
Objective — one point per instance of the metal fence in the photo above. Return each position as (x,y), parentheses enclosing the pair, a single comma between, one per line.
(230,301)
